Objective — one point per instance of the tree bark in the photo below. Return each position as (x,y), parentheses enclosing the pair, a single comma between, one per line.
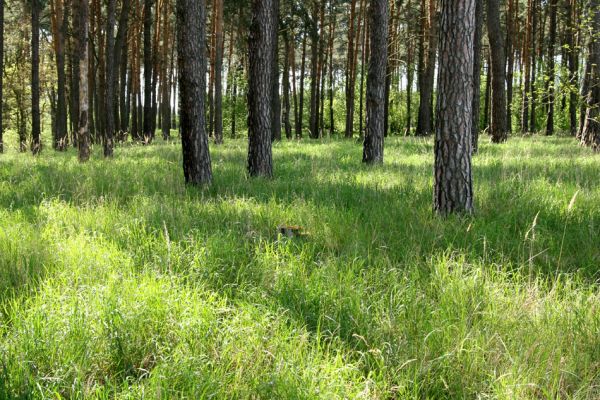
(218,93)
(476,103)
(148,114)
(376,82)
(1,74)
(427,75)
(83,136)
(590,135)
(260,87)
(109,124)
(453,191)
(551,68)
(36,145)
(191,60)
(498,125)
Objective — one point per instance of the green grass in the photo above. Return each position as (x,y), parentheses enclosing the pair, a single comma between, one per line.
(117,281)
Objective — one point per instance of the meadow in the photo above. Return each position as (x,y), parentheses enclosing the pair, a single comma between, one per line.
(117,281)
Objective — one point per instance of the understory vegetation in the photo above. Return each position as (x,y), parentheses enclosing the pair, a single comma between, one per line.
(118,281)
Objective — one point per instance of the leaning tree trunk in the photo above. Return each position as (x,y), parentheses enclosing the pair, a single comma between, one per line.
(476,103)
(453,192)
(82,28)
(590,135)
(36,145)
(376,82)
(191,59)
(498,125)
(260,87)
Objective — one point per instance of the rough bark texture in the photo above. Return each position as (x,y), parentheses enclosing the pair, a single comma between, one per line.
(36,145)
(590,135)
(376,82)
(191,59)
(498,125)
(83,136)
(260,87)
(453,191)
(476,104)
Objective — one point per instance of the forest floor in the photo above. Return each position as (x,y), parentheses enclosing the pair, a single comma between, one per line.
(117,281)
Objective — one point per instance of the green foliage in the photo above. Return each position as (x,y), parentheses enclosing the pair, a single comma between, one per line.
(117,281)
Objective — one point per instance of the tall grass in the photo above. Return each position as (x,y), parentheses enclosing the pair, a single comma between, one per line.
(117,281)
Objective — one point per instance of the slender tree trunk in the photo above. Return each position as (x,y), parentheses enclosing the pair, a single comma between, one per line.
(349,73)
(331,81)
(476,103)
(498,125)
(120,66)
(453,192)
(551,68)
(314,76)
(219,43)
(60,26)
(109,124)
(260,87)
(148,115)
(191,39)
(83,137)
(276,107)
(527,51)
(426,81)
(376,82)
(286,85)
(36,145)
(299,124)
(573,63)
(532,116)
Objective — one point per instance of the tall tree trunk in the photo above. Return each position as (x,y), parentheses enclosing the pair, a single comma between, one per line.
(532,115)
(573,63)
(332,25)
(476,103)
(148,115)
(427,75)
(590,135)
(527,52)
(60,23)
(1,74)
(120,67)
(219,43)
(376,82)
(109,125)
(299,124)
(314,75)
(191,39)
(453,191)
(551,68)
(36,145)
(286,85)
(83,137)
(409,71)
(350,84)
(498,125)
(276,106)
(260,87)
(510,60)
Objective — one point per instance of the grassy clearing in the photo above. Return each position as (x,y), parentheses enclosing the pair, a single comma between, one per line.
(116,281)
